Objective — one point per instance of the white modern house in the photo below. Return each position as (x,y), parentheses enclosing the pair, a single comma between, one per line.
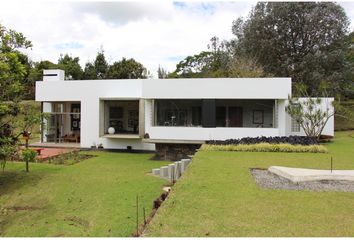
(142,113)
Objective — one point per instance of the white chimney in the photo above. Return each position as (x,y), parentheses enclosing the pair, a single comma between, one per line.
(53,75)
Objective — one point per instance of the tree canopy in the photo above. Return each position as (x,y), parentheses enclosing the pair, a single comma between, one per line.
(301,40)
(219,61)
(71,66)
(12,74)
(123,69)
(126,69)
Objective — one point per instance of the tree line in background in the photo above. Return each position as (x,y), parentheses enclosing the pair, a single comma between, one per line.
(307,41)
(97,69)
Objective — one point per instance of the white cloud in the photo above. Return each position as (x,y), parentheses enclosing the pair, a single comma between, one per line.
(153,33)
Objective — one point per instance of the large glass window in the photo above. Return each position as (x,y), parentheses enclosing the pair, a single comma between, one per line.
(295,126)
(176,112)
(248,113)
(122,116)
(63,122)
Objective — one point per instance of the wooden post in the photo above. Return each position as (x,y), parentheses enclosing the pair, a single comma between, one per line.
(144,216)
(25,135)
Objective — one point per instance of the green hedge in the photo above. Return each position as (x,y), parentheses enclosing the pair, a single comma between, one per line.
(266,147)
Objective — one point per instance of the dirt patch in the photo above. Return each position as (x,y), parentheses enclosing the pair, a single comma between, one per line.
(69,158)
(59,235)
(78,222)
(156,205)
(268,180)
(21,208)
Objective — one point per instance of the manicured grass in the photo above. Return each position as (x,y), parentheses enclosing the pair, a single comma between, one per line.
(217,196)
(96,197)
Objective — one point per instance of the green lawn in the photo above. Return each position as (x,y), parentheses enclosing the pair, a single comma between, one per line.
(95,197)
(217,196)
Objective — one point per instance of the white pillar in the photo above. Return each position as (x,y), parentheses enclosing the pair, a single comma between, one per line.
(282,117)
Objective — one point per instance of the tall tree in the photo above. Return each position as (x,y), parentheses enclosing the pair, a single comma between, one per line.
(101,65)
(126,69)
(302,40)
(98,68)
(71,66)
(219,61)
(35,73)
(162,73)
(89,71)
(349,91)
(12,74)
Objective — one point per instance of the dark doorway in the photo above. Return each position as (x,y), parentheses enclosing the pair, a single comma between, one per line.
(235,117)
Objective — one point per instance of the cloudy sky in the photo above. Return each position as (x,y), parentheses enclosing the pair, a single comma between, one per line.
(154,33)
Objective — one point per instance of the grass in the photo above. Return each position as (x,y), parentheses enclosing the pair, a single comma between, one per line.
(95,197)
(217,196)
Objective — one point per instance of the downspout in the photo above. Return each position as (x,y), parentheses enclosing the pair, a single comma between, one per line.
(41,127)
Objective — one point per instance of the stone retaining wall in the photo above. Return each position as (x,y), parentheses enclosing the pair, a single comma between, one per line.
(174,152)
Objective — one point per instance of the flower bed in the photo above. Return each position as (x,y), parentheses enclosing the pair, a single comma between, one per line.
(265,147)
(293,140)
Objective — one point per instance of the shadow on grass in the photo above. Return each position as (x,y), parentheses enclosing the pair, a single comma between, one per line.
(11,180)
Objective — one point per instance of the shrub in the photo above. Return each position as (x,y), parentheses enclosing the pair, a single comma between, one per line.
(29,155)
(265,147)
(294,140)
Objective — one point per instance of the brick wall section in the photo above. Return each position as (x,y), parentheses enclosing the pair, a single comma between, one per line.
(174,152)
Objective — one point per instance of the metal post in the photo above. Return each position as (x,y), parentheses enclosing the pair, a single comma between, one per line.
(137,215)
(331,164)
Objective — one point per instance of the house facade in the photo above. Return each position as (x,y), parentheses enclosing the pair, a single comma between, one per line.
(141,113)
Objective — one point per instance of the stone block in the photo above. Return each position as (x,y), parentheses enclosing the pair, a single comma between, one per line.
(178,169)
(156,171)
(164,172)
(171,171)
(184,164)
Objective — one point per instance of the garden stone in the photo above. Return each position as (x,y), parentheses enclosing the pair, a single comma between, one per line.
(156,171)
(164,172)
(171,171)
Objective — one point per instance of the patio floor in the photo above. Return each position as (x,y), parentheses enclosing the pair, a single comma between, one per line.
(52,152)
(47,152)
(55,145)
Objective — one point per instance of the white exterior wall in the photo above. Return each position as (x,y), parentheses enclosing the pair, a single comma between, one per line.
(282,123)
(217,88)
(90,92)
(326,103)
(199,133)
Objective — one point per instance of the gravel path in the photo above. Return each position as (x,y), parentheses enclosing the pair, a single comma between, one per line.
(266,179)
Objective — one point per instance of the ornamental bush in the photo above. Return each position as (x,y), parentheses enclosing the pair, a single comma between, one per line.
(293,140)
(266,147)
(29,155)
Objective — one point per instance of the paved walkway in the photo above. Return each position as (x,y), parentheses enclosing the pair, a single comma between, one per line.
(303,174)
(55,145)
(51,152)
